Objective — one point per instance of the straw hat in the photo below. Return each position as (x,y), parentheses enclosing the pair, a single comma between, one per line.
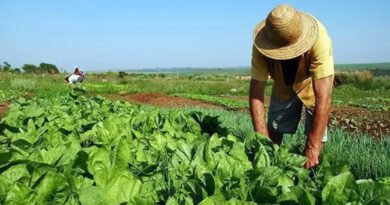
(286,33)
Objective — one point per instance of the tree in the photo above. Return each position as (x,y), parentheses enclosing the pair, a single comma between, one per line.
(48,68)
(122,74)
(6,67)
(30,68)
(16,70)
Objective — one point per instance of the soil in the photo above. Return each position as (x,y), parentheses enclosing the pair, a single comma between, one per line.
(3,108)
(360,120)
(161,100)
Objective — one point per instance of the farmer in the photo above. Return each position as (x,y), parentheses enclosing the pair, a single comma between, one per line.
(75,77)
(295,50)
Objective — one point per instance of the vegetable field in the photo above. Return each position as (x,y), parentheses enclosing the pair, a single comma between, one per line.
(79,150)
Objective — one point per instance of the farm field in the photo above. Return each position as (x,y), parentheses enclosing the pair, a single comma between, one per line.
(182,138)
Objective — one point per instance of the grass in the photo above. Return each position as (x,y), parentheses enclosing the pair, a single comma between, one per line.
(169,86)
(44,86)
(365,156)
(349,95)
(23,84)
(363,66)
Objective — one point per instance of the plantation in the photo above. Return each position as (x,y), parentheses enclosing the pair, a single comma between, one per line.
(196,145)
(78,150)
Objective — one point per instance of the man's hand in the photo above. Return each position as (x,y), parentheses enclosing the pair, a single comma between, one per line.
(312,155)
(323,94)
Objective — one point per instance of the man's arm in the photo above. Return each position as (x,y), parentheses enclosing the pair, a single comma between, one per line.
(323,96)
(256,104)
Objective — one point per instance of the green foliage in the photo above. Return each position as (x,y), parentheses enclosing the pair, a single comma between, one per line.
(30,68)
(44,68)
(24,84)
(366,66)
(349,95)
(74,150)
(16,70)
(366,157)
(355,77)
(48,68)
(362,79)
(122,74)
(380,72)
(7,68)
(166,86)
(6,95)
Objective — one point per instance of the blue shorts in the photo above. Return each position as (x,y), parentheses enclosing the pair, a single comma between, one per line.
(284,117)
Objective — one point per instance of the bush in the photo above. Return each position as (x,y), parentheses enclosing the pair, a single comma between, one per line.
(48,68)
(30,68)
(364,80)
(122,74)
(356,77)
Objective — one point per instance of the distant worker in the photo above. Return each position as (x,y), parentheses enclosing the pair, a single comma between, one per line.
(76,77)
(295,49)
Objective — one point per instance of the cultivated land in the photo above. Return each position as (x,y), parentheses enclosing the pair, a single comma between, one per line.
(184,137)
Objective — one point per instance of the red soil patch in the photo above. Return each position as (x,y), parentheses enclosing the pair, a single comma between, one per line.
(352,119)
(161,100)
(3,108)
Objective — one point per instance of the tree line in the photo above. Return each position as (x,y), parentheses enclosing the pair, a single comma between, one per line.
(42,68)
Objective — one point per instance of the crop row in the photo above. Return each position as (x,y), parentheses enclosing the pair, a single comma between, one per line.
(6,95)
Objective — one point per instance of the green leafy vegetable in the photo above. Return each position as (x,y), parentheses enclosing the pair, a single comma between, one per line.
(75,150)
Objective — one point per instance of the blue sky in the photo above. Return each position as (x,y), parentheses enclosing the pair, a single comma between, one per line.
(108,35)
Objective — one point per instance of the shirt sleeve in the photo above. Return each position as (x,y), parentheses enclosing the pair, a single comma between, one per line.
(259,70)
(322,63)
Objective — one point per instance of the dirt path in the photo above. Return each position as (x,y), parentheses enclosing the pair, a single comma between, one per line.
(162,100)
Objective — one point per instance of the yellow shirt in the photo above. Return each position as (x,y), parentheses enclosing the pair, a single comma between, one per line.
(315,64)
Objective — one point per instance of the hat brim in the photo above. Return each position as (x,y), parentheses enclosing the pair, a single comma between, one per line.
(304,43)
